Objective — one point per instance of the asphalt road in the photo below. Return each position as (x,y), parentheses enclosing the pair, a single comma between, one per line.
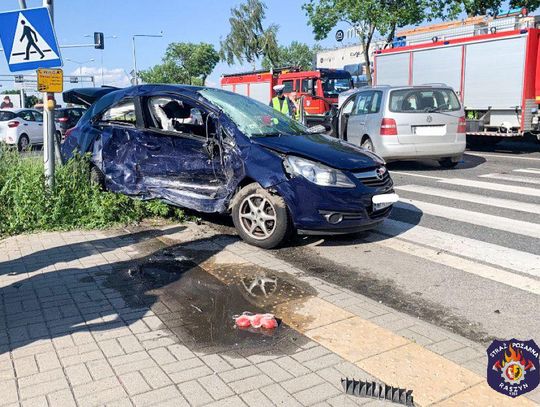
(460,250)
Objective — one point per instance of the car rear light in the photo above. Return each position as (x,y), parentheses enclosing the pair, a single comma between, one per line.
(68,132)
(462,125)
(13,123)
(388,127)
(62,119)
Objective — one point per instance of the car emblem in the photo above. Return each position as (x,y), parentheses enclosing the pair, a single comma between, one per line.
(380,173)
(429,119)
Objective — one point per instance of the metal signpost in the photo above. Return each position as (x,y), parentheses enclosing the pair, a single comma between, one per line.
(29,42)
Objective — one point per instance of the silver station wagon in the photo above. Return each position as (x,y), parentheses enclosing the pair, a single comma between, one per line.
(405,123)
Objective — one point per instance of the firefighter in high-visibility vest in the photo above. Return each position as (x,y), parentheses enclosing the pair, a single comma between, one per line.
(282,103)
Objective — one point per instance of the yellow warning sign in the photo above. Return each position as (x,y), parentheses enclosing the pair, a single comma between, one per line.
(50,80)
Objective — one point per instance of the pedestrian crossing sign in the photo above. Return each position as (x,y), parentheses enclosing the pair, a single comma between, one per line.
(29,40)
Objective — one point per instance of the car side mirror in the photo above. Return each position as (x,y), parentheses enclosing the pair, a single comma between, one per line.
(318,129)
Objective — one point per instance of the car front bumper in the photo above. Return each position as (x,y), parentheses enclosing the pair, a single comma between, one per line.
(329,210)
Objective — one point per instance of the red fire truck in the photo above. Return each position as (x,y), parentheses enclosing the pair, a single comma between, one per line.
(493,64)
(319,88)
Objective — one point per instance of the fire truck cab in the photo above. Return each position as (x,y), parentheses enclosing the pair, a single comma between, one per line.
(319,88)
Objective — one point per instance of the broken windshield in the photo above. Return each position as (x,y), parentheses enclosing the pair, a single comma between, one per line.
(253,118)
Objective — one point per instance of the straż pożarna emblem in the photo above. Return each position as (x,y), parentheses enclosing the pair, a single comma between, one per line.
(513,366)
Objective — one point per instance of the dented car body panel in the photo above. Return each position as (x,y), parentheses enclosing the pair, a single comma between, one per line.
(203,160)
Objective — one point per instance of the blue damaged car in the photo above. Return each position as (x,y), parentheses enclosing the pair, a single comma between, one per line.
(215,151)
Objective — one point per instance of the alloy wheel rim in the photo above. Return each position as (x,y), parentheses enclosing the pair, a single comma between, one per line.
(24,143)
(258,217)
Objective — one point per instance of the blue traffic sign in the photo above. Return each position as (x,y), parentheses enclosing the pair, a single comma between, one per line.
(29,39)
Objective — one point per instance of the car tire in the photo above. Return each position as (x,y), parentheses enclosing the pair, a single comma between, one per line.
(97,177)
(252,207)
(23,143)
(448,163)
(368,144)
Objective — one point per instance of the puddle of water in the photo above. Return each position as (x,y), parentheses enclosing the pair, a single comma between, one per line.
(203,303)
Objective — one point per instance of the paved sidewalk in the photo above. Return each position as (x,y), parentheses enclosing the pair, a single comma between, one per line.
(79,326)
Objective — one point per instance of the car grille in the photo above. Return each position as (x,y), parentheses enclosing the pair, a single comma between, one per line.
(372,180)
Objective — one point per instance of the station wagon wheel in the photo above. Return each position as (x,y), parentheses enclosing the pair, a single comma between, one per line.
(260,217)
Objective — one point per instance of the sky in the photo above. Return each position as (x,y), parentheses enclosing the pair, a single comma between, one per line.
(180,21)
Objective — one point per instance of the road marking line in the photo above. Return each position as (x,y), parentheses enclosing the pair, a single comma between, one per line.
(474,198)
(414,175)
(513,178)
(512,157)
(528,170)
(501,256)
(492,186)
(475,218)
(468,266)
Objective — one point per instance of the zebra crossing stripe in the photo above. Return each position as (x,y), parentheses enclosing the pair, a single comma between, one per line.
(516,260)
(529,170)
(513,178)
(492,186)
(468,266)
(473,198)
(475,218)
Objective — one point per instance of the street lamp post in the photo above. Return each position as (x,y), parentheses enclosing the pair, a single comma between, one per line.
(135,72)
(80,63)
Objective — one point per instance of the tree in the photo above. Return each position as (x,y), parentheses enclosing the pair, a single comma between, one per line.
(198,60)
(183,63)
(248,41)
(297,54)
(367,17)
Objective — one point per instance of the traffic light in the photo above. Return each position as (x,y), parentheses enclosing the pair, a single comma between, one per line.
(99,41)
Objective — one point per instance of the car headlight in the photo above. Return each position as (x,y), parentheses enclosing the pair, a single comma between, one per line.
(317,173)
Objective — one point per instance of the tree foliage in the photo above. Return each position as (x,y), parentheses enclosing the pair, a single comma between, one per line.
(183,63)
(248,40)
(367,17)
(296,54)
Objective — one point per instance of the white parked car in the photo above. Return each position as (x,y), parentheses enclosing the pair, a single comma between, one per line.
(21,127)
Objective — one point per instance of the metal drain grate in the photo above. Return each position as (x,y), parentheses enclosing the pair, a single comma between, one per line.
(378,391)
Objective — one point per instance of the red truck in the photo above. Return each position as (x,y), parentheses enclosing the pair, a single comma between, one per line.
(493,64)
(320,88)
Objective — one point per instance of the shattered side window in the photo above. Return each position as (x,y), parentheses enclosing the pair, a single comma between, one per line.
(122,113)
(177,115)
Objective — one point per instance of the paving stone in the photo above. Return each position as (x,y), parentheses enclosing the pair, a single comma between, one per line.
(62,398)
(250,383)
(130,344)
(322,362)
(216,387)
(40,401)
(194,393)
(190,374)
(78,374)
(445,346)
(111,348)
(291,366)
(183,365)
(216,363)
(233,401)
(316,394)
(279,396)
(162,356)
(235,359)
(240,373)
(25,366)
(78,359)
(134,383)
(99,369)
(310,354)
(158,396)
(47,361)
(181,352)
(9,392)
(256,398)
(103,397)
(156,377)
(134,366)
(40,378)
(43,388)
(302,383)
(275,372)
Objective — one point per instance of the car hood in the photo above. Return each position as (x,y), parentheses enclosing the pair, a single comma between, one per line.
(322,148)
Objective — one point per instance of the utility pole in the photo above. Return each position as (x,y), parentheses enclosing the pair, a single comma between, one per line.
(48,122)
(22,4)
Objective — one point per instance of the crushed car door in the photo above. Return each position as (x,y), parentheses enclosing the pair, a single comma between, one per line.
(182,160)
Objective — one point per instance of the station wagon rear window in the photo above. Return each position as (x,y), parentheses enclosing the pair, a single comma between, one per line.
(423,100)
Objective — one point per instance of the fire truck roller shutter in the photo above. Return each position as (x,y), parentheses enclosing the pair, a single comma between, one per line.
(494,74)
(438,65)
(241,89)
(260,91)
(393,69)
(227,87)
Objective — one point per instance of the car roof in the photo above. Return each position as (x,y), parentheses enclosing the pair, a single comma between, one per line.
(17,110)
(427,85)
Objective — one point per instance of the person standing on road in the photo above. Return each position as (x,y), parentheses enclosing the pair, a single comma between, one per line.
(31,37)
(282,103)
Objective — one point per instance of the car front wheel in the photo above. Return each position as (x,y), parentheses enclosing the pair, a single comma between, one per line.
(260,217)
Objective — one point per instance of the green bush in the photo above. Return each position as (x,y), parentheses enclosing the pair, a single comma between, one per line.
(27,206)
